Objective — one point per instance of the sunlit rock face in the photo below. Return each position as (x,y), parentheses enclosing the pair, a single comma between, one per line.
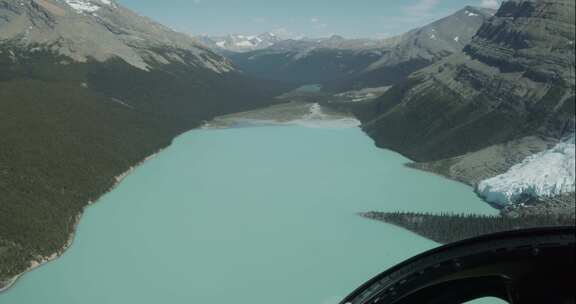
(101,29)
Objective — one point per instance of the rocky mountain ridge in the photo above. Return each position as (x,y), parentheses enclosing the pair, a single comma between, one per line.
(511,87)
(100,30)
(345,64)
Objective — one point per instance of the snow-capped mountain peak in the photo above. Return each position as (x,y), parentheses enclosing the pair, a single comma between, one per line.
(241,42)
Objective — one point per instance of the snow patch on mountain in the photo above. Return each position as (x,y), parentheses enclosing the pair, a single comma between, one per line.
(245,43)
(546,174)
(87,6)
(81,6)
(241,43)
(471,14)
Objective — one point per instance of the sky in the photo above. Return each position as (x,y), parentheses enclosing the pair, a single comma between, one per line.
(297,18)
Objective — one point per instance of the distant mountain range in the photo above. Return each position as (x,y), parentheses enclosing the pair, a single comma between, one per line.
(240,43)
(343,64)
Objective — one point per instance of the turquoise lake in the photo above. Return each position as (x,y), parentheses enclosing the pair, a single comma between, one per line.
(254,215)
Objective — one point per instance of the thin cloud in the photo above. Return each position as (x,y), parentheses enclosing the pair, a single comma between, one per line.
(421,8)
(490,4)
(286,33)
(318,24)
(381,35)
(416,14)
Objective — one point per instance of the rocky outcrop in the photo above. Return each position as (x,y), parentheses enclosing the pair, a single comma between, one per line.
(473,115)
(535,38)
(474,167)
(497,90)
(561,205)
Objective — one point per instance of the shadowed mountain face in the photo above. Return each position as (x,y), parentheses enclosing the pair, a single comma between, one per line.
(87,90)
(344,64)
(515,79)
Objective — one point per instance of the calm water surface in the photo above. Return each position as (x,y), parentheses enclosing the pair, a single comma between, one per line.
(247,215)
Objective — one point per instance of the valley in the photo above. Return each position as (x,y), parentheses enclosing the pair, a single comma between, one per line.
(470,109)
(219,156)
(219,217)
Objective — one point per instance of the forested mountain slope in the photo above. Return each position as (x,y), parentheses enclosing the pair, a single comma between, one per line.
(89,89)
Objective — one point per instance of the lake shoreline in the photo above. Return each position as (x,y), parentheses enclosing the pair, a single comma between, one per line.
(5,286)
(354,168)
(307,112)
(290,113)
(45,260)
(451,227)
(414,166)
(296,112)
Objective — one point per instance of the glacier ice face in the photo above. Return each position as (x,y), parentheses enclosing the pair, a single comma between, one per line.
(546,174)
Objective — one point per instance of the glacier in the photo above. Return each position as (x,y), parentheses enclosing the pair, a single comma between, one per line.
(545,174)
